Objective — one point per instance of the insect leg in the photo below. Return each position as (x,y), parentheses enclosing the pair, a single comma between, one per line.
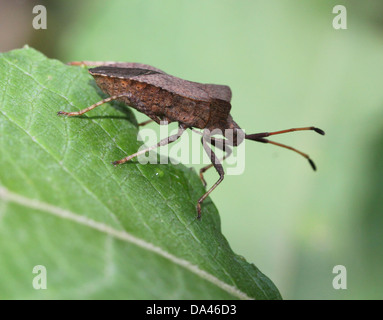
(163,142)
(79,113)
(220,144)
(218,166)
(145,123)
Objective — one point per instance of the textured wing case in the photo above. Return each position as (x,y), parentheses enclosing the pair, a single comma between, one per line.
(160,95)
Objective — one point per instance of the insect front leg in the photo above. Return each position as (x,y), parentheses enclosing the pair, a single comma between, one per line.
(218,166)
(222,145)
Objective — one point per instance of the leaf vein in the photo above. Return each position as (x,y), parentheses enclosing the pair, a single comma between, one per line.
(85,188)
(121,235)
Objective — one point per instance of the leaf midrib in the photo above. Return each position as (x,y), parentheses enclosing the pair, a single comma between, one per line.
(9,196)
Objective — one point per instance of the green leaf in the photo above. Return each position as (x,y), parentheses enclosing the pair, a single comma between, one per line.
(100,231)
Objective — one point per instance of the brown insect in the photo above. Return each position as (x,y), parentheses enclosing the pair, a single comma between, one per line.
(166,98)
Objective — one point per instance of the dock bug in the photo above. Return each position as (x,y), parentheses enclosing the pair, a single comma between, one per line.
(163,97)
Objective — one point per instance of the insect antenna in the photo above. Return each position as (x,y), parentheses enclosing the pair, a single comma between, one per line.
(260,137)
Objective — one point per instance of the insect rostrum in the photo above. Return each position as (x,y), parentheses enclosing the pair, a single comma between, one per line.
(165,98)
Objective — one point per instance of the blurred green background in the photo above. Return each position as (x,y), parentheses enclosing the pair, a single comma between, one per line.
(287,67)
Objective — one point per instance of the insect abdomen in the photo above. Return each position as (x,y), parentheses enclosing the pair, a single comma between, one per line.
(152,100)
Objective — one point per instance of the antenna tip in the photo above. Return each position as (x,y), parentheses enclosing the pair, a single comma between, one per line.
(320,131)
(312,164)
